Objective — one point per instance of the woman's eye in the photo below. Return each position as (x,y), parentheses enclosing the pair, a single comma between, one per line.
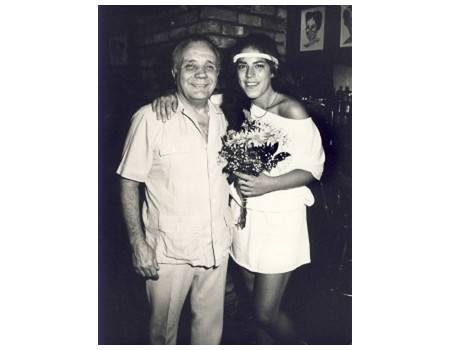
(241,66)
(260,66)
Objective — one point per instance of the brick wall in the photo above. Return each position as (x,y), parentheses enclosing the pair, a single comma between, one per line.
(158,31)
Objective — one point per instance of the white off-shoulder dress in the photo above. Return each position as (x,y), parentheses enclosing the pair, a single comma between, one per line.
(275,238)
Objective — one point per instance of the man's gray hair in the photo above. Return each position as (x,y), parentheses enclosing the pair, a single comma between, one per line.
(177,51)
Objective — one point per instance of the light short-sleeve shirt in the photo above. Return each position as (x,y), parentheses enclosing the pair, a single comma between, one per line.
(185,212)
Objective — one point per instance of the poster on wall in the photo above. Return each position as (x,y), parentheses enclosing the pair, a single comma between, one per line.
(118,55)
(346,26)
(312,29)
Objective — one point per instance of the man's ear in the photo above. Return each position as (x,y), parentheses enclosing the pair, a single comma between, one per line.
(174,73)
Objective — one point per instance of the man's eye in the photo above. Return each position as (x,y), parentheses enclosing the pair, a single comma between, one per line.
(211,67)
(189,66)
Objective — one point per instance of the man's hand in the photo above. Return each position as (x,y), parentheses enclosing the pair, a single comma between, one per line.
(144,260)
(164,106)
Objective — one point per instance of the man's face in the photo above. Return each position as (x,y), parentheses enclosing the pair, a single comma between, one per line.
(197,72)
(311,29)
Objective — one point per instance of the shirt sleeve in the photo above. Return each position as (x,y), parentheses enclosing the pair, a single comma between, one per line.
(217,99)
(309,152)
(137,155)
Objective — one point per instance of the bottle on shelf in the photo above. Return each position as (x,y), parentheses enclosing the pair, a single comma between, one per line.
(337,107)
(348,100)
(347,106)
(339,99)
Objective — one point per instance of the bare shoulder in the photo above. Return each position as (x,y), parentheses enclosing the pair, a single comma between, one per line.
(290,108)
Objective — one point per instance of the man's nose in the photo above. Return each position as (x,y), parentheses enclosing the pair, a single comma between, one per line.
(201,73)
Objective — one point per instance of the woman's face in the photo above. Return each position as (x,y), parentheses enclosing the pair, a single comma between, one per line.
(254,75)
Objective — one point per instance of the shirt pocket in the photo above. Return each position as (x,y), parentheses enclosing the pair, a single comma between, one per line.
(181,236)
(180,146)
(179,154)
(184,165)
(174,155)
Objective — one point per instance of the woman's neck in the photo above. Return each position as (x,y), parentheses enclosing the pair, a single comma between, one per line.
(266,100)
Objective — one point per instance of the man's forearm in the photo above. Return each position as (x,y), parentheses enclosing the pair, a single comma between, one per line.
(129,195)
(143,254)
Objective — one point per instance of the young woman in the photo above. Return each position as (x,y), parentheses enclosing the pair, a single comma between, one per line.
(274,241)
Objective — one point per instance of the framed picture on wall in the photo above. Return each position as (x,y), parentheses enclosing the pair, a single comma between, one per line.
(346,26)
(312,31)
(118,55)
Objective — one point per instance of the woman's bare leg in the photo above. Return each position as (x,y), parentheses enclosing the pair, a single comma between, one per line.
(249,280)
(268,291)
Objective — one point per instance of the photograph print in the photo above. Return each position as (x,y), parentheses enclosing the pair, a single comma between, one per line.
(312,29)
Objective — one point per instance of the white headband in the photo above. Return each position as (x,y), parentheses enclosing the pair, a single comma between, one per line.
(255,54)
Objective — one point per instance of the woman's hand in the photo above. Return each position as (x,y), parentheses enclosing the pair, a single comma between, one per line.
(252,186)
(164,106)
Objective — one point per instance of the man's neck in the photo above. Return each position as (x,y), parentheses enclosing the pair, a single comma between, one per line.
(199,106)
(198,112)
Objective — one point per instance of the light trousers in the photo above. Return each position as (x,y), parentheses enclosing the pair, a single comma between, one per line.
(168,294)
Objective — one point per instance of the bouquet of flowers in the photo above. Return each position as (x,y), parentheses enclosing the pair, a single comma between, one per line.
(251,150)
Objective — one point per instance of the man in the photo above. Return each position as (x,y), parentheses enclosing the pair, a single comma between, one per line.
(183,243)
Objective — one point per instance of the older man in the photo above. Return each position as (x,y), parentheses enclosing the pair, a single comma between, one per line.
(183,241)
